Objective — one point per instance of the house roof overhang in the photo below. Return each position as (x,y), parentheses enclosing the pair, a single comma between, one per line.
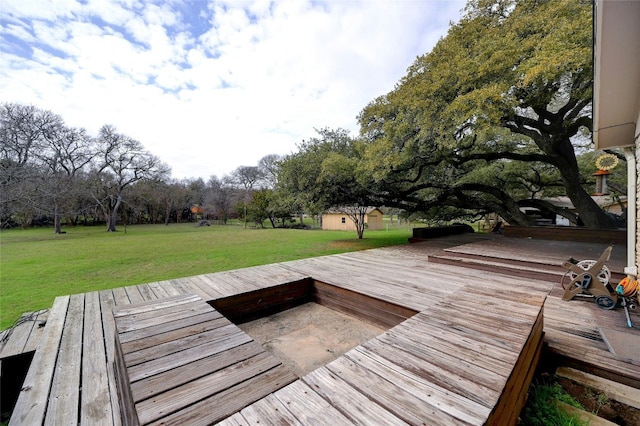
(616,106)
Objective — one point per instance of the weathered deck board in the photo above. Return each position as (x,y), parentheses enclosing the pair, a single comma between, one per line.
(352,404)
(309,407)
(64,396)
(95,404)
(107,303)
(390,389)
(180,371)
(268,410)
(25,336)
(174,360)
(33,399)
(449,363)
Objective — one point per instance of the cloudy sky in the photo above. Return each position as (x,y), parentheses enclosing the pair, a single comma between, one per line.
(209,85)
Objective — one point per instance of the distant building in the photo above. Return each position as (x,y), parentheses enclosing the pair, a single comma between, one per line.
(334,220)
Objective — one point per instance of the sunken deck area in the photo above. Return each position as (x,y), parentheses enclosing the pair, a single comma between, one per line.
(461,343)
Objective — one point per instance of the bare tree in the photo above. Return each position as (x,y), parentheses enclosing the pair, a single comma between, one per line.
(269,166)
(20,136)
(121,161)
(220,196)
(40,160)
(247,177)
(66,154)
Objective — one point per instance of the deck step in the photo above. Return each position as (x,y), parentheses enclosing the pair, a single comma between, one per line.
(497,265)
(518,268)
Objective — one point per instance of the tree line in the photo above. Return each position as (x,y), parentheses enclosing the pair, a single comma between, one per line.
(51,173)
(495,119)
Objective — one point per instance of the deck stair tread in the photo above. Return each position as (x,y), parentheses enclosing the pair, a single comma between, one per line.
(546,255)
(531,270)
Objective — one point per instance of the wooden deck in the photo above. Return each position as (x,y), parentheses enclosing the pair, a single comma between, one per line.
(455,362)
(180,361)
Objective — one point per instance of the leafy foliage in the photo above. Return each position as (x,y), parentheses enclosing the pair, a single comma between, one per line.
(324,174)
(541,409)
(489,119)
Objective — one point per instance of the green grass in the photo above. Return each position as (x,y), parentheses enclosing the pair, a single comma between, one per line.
(541,409)
(36,265)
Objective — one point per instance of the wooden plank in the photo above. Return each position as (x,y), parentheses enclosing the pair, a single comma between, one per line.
(449,377)
(500,332)
(309,407)
(567,233)
(456,406)
(346,399)
(266,411)
(95,404)
(387,391)
(205,287)
(228,283)
(107,303)
(149,319)
(236,420)
(514,394)
(585,416)
(170,289)
(230,400)
(127,413)
(152,306)
(622,393)
(146,292)
(218,285)
(159,291)
(466,339)
(139,339)
(198,365)
(15,339)
(622,343)
(435,341)
(367,308)
(259,303)
(64,398)
(179,345)
(186,287)
(196,390)
(519,398)
(32,401)
(134,295)
(120,296)
(163,363)
(36,332)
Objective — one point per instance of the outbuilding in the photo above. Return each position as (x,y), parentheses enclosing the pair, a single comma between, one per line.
(339,220)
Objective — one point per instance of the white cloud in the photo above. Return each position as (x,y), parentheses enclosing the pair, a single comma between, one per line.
(210,87)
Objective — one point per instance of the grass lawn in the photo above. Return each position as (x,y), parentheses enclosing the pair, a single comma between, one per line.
(37,265)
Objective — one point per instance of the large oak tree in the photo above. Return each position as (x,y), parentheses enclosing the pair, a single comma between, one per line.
(491,118)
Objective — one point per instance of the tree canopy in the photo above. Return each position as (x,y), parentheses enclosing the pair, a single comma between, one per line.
(490,119)
(321,175)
